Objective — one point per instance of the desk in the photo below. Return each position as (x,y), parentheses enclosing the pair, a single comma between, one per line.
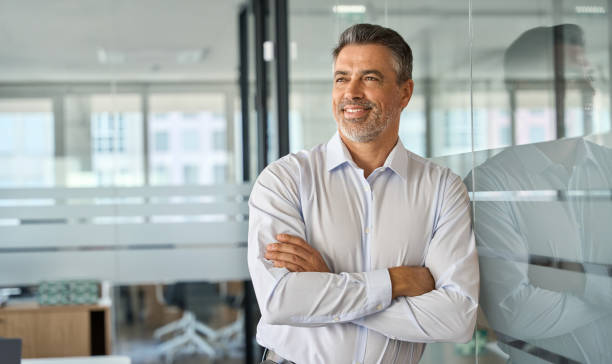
(58,331)
(81,360)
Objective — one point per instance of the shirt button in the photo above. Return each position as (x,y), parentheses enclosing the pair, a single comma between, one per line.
(367,230)
(336,319)
(379,307)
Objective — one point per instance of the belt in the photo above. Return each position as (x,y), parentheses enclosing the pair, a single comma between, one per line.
(271,357)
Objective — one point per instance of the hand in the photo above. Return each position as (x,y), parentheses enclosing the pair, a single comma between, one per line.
(410,281)
(295,254)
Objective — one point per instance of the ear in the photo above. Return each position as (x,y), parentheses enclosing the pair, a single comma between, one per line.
(406,89)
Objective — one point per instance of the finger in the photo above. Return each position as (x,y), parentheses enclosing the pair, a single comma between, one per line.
(291,249)
(305,251)
(287,257)
(292,239)
(290,266)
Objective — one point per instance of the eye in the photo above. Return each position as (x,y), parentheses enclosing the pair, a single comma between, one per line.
(371,78)
(340,79)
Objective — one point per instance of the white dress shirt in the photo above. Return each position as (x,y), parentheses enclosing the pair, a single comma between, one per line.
(407,212)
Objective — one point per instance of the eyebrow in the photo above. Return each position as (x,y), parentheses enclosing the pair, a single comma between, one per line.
(377,73)
(363,73)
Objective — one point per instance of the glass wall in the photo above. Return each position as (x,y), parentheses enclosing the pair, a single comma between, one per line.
(515,99)
(542,201)
(121,192)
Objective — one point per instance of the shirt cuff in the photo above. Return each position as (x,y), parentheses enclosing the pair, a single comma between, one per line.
(379,289)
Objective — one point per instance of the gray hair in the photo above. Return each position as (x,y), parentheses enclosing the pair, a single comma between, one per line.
(375,34)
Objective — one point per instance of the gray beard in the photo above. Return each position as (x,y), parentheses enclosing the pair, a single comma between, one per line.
(363,131)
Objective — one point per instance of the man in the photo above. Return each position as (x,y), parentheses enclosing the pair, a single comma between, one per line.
(360,251)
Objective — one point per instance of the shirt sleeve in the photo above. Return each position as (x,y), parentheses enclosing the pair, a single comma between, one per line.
(448,313)
(301,298)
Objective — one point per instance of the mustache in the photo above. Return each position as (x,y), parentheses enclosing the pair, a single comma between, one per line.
(362,103)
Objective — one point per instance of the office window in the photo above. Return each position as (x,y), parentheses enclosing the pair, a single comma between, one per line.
(219,140)
(219,173)
(114,123)
(190,174)
(161,175)
(190,140)
(190,129)
(161,143)
(27,142)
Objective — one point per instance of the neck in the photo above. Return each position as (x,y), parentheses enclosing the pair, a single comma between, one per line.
(371,155)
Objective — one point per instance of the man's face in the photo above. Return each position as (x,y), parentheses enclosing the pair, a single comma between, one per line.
(366,97)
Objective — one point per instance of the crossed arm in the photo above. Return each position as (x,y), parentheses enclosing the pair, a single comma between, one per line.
(295,254)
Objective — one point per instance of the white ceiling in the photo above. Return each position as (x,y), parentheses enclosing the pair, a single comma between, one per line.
(141,39)
(67,40)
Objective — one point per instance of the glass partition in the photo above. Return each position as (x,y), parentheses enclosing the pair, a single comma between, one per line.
(121,207)
(515,99)
(542,202)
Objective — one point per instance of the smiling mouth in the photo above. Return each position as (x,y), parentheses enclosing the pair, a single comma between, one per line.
(354,111)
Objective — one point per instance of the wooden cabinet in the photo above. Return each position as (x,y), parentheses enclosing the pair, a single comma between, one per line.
(54,331)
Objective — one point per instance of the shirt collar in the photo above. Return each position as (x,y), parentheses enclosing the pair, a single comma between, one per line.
(584,152)
(532,158)
(397,160)
(338,154)
(536,161)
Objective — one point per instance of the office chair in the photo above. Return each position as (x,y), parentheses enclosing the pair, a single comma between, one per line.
(191,335)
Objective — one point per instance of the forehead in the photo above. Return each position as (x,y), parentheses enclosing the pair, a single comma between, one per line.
(364,56)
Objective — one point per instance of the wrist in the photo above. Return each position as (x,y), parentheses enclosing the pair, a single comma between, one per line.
(410,281)
(398,286)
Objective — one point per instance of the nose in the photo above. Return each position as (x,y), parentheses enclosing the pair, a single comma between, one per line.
(354,90)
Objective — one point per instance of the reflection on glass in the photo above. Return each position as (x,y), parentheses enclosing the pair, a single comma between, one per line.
(542,211)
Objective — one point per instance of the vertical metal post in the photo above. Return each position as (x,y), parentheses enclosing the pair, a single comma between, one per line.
(512,95)
(59,136)
(559,69)
(244,91)
(559,82)
(261,76)
(246,167)
(282,75)
(249,332)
